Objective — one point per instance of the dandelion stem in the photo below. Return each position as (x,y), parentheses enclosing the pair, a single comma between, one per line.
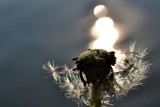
(96,97)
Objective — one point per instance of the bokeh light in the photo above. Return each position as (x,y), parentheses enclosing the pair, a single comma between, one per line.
(104,25)
(106,40)
(104,31)
(100,11)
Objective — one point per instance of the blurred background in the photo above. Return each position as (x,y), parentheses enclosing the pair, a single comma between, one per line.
(35,31)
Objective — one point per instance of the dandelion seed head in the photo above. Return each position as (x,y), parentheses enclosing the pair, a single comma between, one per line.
(133,71)
(129,70)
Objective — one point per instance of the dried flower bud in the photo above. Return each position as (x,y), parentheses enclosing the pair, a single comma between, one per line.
(95,65)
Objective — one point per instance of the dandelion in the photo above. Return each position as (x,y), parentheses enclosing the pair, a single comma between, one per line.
(98,75)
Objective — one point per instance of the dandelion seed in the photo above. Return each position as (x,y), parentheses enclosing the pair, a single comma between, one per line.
(93,80)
